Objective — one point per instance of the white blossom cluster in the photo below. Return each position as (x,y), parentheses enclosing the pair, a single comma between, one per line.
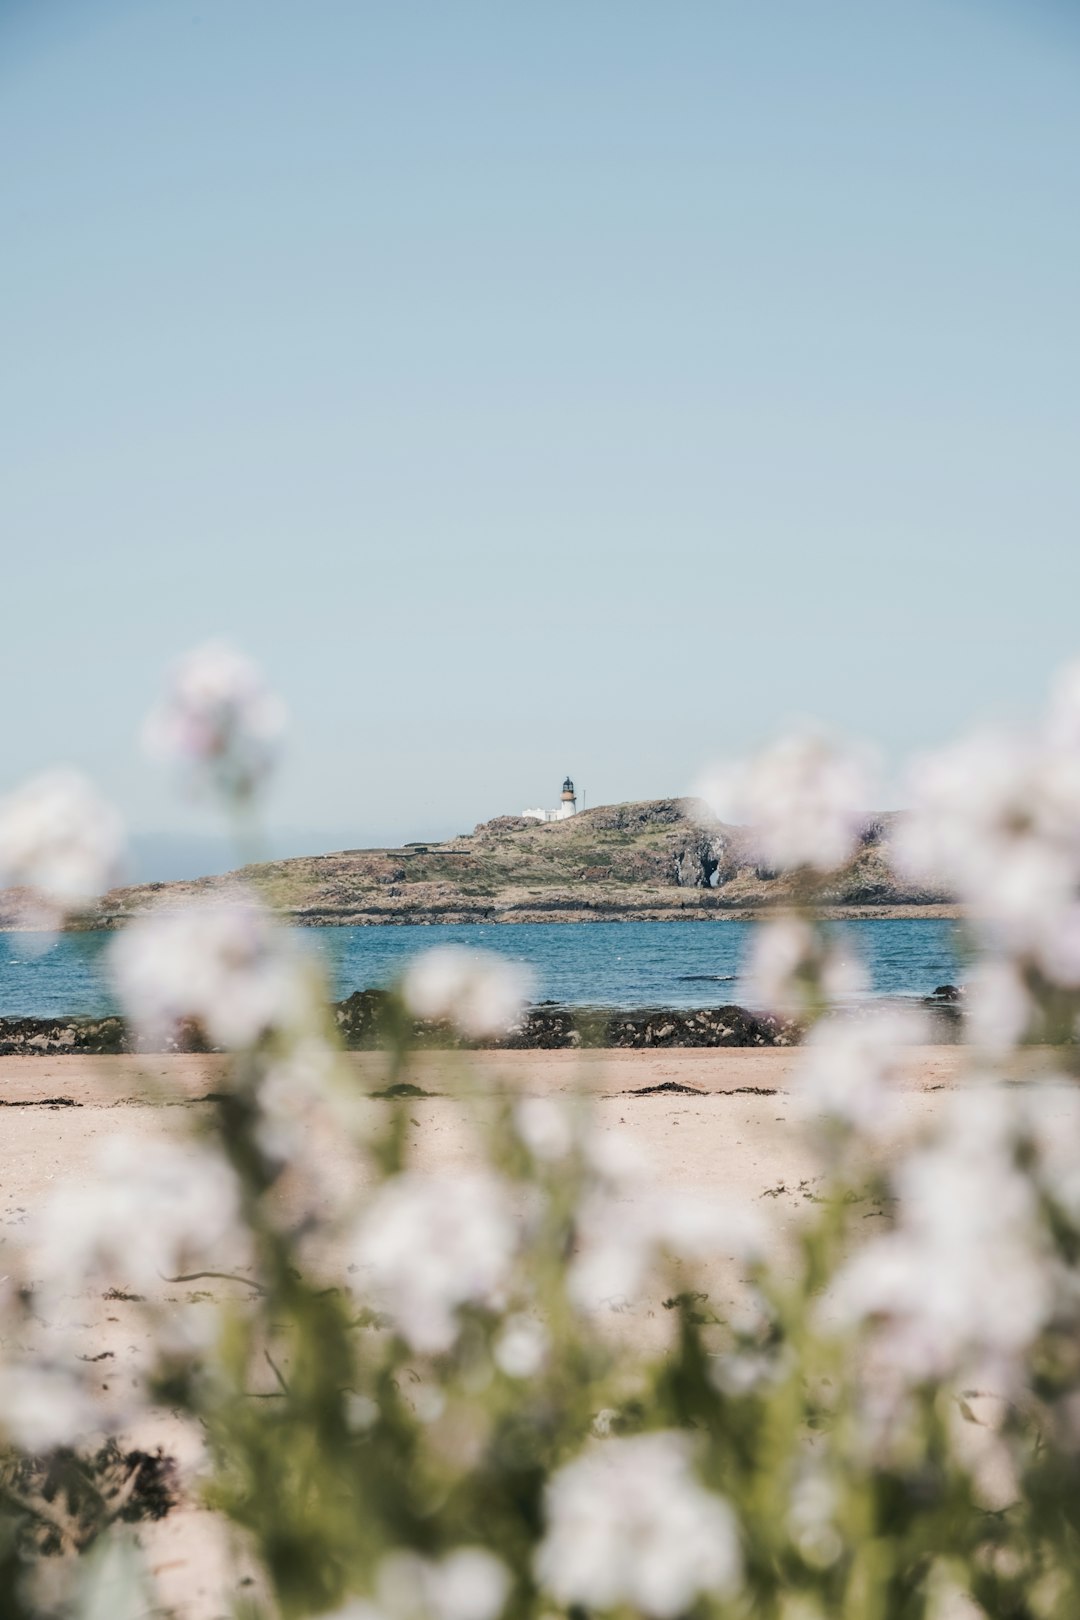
(522,1346)
(793,967)
(546,1127)
(625,1223)
(628,1523)
(850,1067)
(963,1282)
(479,992)
(431,1244)
(996,820)
(146,1211)
(142,1213)
(292,1091)
(468,1583)
(223,965)
(44,1402)
(61,840)
(805,800)
(218,720)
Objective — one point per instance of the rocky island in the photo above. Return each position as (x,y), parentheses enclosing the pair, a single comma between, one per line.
(653,861)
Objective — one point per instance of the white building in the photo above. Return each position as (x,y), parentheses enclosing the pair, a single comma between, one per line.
(567,806)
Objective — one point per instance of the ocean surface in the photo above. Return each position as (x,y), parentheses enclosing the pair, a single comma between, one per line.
(636,964)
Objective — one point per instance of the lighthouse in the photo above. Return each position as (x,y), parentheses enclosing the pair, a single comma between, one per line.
(567,807)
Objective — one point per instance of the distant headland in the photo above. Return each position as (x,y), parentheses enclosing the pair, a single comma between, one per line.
(653,861)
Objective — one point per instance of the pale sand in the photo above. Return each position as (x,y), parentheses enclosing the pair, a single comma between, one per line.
(740,1142)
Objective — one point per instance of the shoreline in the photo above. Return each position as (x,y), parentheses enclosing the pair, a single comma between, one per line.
(901,912)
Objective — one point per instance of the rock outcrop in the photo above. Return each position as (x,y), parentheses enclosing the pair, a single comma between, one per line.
(658,860)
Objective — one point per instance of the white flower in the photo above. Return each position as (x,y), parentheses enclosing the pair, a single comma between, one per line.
(225,966)
(622,1230)
(433,1243)
(480,992)
(219,718)
(147,1210)
(849,1068)
(521,1348)
(1057,948)
(1049,1114)
(695,1226)
(290,1092)
(965,801)
(60,839)
(998,1007)
(996,820)
(43,1404)
(963,1278)
(469,1583)
(624,1223)
(792,966)
(805,800)
(628,1523)
(811,1517)
(546,1128)
(616,1158)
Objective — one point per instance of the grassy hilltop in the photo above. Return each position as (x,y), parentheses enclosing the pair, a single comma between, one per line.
(656,860)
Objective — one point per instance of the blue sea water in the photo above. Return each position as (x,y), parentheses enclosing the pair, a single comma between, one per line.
(636,964)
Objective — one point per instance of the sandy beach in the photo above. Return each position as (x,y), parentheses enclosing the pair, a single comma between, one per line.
(730,1130)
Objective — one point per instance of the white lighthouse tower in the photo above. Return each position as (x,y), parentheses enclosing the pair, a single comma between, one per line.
(567,806)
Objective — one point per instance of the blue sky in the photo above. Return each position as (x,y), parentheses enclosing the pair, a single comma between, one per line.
(533,388)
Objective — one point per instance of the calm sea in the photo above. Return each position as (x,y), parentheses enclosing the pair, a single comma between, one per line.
(599,964)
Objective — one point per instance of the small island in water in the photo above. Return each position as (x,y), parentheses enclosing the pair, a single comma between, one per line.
(653,861)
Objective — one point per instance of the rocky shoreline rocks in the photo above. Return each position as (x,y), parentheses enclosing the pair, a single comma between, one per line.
(549,1026)
(364,1021)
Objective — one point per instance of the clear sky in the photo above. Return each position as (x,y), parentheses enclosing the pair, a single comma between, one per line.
(534,388)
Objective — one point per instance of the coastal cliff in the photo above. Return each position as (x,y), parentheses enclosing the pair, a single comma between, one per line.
(657,860)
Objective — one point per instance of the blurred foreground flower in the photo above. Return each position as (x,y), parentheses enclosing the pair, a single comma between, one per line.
(44,1404)
(433,1243)
(469,1583)
(962,1284)
(479,992)
(219,720)
(795,970)
(224,966)
(629,1524)
(850,1068)
(805,801)
(61,840)
(142,1212)
(146,1211)
(995,820)
(625,1223)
